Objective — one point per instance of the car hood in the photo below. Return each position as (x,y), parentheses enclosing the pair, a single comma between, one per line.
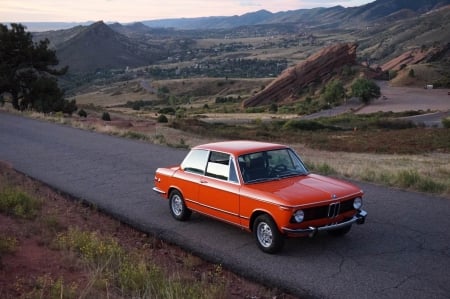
(303,190)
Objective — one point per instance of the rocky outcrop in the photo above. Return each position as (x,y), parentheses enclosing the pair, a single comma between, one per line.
(316,68)
(415,56)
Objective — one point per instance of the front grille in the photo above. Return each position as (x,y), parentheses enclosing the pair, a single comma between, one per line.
(333,209)
(328,211)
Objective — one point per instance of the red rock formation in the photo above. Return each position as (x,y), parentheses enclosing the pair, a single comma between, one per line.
(316,68)
(414,56)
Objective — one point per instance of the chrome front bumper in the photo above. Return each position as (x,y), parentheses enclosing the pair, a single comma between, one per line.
(359,218)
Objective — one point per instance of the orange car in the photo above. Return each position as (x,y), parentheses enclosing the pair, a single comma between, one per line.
(261,187)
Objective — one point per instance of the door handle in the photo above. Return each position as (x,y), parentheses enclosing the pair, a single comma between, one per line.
(203,182)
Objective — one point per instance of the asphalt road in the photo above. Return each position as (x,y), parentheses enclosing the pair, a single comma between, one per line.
(403,250)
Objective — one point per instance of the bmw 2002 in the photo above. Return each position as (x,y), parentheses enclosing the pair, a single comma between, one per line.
(264,188)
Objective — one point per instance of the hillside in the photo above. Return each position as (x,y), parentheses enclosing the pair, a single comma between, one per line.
(98,47)
(258,44)
(384,42)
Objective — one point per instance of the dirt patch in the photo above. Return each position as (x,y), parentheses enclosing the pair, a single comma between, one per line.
(398,99)
(35,266)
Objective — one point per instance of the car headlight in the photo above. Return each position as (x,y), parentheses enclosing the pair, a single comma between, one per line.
(299,215)
(357,203)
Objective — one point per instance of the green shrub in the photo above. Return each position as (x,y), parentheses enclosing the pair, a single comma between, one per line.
(162,118)
(7,244)
(307,125)
(394,124)
(365,90)
(392,74)
(82,113)
(106,116)
(333,92)
(134,135)
(163,90)
(17,203)
(446,122)
(93,248)
(412,179)
(167,110)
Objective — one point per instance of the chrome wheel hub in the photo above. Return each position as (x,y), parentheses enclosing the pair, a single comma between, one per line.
(264,234)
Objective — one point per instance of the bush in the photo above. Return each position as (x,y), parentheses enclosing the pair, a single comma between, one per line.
(334,92)
(394,124)
(69,107)
(167,110)
(82,113)
(19,204)
(307,125)
(446,122)
(162,119)
(106,117)
(365,90)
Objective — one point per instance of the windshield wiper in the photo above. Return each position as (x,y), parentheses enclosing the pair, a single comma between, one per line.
(262,180)
(292,173)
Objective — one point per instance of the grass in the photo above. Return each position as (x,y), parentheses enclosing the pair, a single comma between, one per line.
(18,203)
(428,173)
(96,258)
(117,272)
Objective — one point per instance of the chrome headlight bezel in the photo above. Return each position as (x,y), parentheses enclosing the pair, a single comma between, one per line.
(299,216)
(357,203)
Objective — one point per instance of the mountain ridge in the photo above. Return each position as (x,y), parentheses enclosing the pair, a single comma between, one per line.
(369,12)
(101,46)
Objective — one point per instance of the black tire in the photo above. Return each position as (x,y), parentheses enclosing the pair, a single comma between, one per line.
(340,231)
(267,235)
(177,206)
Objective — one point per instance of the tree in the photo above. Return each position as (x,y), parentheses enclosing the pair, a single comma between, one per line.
(334,91)
(26,72)
(365,90)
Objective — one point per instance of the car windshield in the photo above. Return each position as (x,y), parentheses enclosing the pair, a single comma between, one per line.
(270,165)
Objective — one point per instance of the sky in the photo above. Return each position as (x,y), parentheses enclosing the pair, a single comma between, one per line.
(127,11)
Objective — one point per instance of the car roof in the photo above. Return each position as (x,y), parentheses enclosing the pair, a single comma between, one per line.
(240,147)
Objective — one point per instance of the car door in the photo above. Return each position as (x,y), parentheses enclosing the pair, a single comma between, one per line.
(219,188)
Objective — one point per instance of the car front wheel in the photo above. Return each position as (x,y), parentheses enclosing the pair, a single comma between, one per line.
(178,208)
(267,235)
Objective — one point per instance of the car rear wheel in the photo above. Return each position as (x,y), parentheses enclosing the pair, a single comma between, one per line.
(340,231)
(267,235)
(178,208)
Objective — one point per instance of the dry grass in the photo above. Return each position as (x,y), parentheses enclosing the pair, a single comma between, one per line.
(433,169)
(69,250)
(423,74)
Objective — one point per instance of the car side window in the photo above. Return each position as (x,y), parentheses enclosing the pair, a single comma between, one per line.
(233,174)
(195,161)
(218,165)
